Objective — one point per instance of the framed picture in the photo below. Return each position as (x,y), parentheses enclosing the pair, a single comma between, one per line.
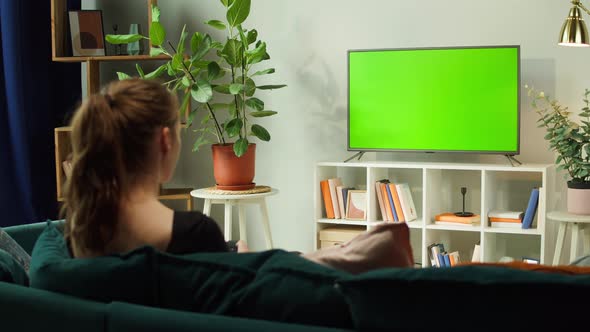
(356,205)
(87,32)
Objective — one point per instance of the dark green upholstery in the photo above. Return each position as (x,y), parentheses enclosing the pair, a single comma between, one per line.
(129,277)
(26,235)
(290,288)
(28,309)
(430,297)
(126,317)
(11,271)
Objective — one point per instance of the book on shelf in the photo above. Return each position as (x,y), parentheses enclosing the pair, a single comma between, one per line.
(333,183)
(531,209)
(325,188)
(451,219)
(345,197)
(455,258)
(447,259)
(505,224)
(380,199)
(407,202)
(499,214)
(386,204)
(435,254)
(391,204)
(396,202)
(340,200)
(515,221)
(476,257)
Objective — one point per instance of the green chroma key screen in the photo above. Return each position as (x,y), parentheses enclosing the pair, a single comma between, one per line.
(441,99)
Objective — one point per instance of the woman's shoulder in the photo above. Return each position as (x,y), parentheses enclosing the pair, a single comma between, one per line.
(189,216)
(193,231)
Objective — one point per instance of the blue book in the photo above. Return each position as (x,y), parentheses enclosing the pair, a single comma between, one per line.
(531,209)
(441,260)
(345,196)
(391,202)
(447,260)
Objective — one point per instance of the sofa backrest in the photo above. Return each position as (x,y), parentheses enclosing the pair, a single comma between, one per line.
(29,309)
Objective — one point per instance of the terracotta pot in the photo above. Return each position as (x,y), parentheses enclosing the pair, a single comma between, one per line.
(232,172)
(578,197)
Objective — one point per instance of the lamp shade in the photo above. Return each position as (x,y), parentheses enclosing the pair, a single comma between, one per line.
(574,32)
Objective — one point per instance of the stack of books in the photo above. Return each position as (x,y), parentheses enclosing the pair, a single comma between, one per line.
(506,219)
(395,201)
(451,219)
(439,257)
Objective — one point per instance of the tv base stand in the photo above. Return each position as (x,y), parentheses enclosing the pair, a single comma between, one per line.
(511,158)
(359,154)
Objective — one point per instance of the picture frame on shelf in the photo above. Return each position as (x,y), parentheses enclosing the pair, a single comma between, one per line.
(87,33)
(356,206)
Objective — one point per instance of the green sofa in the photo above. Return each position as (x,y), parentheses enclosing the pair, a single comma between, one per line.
(286,293)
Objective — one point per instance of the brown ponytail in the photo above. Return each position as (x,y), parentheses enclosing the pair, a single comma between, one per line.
(112,133)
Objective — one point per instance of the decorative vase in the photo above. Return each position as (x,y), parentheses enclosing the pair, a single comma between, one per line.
(232,172)
(133,48)
(578,197)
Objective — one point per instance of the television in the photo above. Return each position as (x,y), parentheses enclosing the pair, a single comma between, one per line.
(440,99)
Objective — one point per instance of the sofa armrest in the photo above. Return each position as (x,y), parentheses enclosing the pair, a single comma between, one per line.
(26,235)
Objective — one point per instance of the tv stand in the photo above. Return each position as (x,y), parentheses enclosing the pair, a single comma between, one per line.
(359,154)
(511,158)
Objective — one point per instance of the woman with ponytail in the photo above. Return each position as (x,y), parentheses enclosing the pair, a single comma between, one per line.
(125,143)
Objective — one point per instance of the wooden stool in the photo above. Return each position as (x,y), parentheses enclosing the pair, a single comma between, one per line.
(238,198)
(578,223)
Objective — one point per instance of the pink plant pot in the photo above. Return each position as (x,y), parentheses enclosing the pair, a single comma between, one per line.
(578,198)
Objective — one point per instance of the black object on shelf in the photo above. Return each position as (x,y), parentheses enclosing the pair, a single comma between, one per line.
(463,213)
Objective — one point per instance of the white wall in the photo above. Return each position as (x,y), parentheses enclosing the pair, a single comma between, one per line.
(308,40)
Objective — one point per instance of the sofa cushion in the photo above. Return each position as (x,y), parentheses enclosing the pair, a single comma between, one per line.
(125,317)
(8,244)
(11,271)
(198,282)
(29,309)
(290,288)
(428,298)
(128,277)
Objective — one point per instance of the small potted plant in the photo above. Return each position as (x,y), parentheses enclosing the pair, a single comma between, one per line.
(207,69)
(571,140)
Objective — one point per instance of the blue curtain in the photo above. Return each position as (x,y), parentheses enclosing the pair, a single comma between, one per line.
(35,96)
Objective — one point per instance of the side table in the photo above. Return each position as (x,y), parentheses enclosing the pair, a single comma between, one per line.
(240,199)
(578,223)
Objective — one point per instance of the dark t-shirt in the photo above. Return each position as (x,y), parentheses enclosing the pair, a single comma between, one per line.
(192,231)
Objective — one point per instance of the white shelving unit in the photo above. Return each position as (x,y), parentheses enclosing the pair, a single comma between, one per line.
(435,189)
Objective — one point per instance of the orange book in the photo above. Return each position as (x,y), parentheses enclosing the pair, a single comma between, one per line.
(396,203)
(386,202)
(327,199)
(452,218)
(380,199)
(506,220)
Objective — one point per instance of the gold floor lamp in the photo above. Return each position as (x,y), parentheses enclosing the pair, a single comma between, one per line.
(574,32)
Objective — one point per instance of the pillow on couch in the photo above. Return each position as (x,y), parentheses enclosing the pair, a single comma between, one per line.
(462,296)
(127,277)
(197,282)
(8,244)
(290,288)
(11,271)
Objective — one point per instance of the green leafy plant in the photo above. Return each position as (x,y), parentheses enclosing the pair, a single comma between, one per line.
(571,140)
(207,68)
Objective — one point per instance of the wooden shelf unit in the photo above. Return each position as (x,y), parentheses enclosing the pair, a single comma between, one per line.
(435,189)
(59,42)
(63,148)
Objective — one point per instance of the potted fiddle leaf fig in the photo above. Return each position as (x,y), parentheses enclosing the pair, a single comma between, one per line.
(219,79)
(571,140)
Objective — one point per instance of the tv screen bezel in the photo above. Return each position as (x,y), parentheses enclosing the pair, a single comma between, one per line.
(511,153)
